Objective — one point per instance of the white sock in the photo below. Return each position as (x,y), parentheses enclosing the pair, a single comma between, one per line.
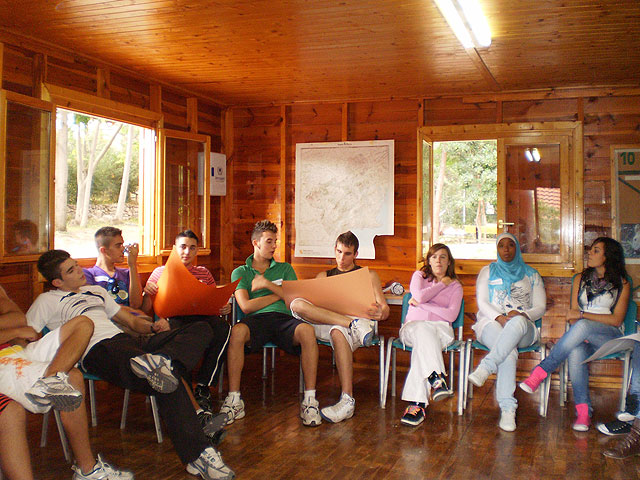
(309,395)
(347,397)
(234,395)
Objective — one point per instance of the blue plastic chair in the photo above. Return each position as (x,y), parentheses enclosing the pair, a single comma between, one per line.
(536,347)
(457,345)
(629,327)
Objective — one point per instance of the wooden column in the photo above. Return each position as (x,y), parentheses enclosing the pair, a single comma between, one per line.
(155,98)
(226,202)
(345,122)
(1,62)
(39,74)
(284,252)
(192,114)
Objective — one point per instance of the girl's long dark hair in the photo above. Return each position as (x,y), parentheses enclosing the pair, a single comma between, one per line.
(426,269)
(614,269)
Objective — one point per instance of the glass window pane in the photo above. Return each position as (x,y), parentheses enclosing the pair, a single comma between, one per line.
(100,166)
(533,196)
(465,197)
(184,185)
(27,180)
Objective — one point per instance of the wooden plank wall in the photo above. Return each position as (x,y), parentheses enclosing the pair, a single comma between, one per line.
(609,118)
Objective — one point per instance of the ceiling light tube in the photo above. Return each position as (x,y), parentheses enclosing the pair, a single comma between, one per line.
(472,32)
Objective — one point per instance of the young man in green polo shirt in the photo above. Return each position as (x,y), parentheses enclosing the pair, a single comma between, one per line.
(259,294)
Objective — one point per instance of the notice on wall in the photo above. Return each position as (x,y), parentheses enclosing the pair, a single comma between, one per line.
(342,186)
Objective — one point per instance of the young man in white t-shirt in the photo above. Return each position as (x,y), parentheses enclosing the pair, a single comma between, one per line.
(153,365)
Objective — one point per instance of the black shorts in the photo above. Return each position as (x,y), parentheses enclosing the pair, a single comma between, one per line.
(275,327)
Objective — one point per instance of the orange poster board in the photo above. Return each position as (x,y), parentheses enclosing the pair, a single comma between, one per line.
(180,293)
(348,294)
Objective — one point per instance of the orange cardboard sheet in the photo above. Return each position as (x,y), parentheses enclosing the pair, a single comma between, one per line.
(180,293)
(348,294)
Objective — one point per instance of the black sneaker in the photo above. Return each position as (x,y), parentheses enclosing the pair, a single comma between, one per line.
(202,395)
(615,427)
(211,423)
(413,415)
(439,390)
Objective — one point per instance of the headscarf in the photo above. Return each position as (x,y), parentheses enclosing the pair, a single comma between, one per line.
(509,272)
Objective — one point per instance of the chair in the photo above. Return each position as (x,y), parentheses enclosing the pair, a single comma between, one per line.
(378,341)
(458,345)
(237,315)
(536,347)
(630,327)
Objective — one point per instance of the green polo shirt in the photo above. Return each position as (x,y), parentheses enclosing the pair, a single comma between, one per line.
(277,272)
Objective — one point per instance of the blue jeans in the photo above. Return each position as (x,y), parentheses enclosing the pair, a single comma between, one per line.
(519,332)
(577,344)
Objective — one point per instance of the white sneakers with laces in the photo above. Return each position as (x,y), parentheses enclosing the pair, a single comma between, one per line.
(508,420)
(157,370)
(55,391)
(209,466)
(233,408)
(362,331)
(310,412)
(342,410)
(101,471)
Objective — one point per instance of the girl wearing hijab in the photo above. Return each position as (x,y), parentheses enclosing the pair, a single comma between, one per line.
(511,297)
(597,310)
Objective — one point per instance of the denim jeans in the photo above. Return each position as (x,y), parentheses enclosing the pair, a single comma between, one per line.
(579,342)
(519,332)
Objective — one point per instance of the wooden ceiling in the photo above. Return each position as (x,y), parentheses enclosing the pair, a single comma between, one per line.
(240,52)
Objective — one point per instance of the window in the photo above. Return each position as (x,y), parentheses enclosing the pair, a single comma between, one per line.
(477,181)
(25,161)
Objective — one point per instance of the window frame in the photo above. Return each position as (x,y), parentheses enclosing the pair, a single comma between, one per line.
(9,96)
(568,135)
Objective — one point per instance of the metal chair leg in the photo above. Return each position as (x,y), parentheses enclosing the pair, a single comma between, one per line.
(125,409)
(156,417)
(264,363)
(63,437)
(381,391)
(92,403)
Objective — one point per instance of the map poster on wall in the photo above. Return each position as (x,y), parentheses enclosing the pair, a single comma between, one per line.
(343,186)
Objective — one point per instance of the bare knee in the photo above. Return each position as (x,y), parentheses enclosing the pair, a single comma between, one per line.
(76,379)
(240,334)
(80,325)
(305,335)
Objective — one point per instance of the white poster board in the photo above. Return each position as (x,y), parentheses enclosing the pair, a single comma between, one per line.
(343,186)
(217,171)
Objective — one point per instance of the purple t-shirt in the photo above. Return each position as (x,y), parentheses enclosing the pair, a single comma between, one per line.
(117,286)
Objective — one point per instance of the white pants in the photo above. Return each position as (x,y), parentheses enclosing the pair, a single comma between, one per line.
(21,367)
(426,339)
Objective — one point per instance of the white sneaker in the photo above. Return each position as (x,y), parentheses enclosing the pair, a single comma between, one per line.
(508,420)
(209,466)
(479,376)
(56,391)
(362,331)
(101,471)
(156,369)
(340,411)
(234,410)
(310,413)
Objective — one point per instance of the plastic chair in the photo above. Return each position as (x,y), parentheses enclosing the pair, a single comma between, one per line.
(629,327)
(237,315)
(536,347)
(457,345)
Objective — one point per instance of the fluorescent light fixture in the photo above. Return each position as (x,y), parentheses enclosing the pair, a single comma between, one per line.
(467,21)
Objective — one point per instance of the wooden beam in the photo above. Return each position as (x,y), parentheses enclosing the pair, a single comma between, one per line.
(551,93)
(581,109)
(192,114)
(103,79)
(1,62)
(39,74)
(226,202)
(285,255)
(483,69)
(344,133)
(499,111)
(421,112)
(155,98)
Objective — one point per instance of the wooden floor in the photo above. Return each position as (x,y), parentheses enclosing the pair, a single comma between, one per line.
(271,443)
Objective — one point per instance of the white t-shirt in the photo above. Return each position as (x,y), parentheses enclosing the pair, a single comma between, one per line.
(55,308)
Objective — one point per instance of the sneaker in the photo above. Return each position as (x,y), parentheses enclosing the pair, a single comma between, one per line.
(55,391)
(616,427)
(479,376)
(533,381)
(362,331)
(439,389)
(630,410)
(211,423)
(582,418)
(310,413)
(209,466)
(101,471)
(234,410)
(340,411)
(508,420)
(202,395)
(156,369)
(413,415)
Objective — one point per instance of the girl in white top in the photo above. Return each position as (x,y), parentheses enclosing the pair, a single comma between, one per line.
(511,297)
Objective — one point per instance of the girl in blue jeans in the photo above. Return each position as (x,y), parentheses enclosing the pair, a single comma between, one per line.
(597,310)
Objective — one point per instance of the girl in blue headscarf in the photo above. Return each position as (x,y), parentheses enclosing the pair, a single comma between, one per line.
(511,297)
